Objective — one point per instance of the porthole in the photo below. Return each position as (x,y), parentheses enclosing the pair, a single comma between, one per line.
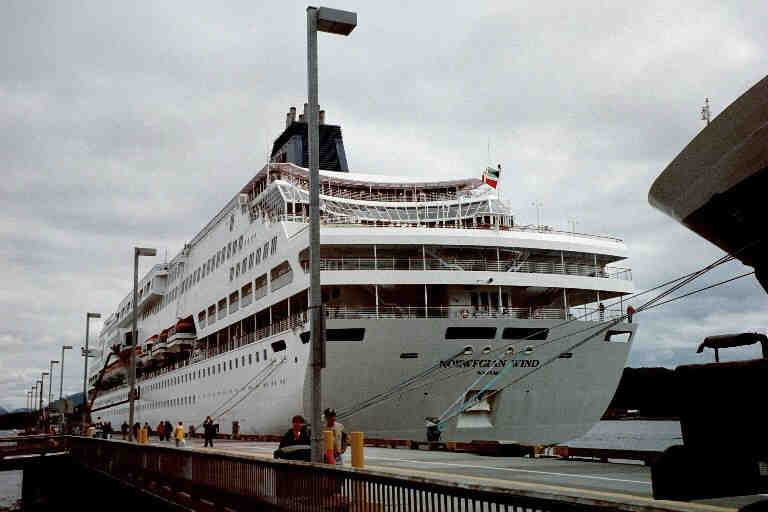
(529,350)
(487,350)
(510,350)
(468,350)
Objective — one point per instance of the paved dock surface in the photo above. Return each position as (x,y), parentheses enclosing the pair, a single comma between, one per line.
(629,478)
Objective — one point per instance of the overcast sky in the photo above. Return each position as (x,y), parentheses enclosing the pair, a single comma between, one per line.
(133,123)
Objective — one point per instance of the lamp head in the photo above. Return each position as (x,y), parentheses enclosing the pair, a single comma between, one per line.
(94,315)
(54,362)
(145,251)
(67,347)
(335,21)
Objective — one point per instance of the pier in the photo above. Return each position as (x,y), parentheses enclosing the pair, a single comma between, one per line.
(244,476)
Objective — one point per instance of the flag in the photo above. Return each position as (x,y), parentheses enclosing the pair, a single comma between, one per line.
(491,176)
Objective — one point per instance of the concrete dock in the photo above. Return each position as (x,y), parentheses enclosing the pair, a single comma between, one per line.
(631,480)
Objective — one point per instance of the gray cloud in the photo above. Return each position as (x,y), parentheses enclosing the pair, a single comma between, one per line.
(133,123)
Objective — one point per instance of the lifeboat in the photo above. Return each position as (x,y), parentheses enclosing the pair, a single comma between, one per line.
(182,335)
(160,346)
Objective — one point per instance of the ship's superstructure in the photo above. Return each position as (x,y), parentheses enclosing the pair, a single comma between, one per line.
(432,295)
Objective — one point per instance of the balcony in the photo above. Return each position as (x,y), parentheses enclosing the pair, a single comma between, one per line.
(468,312)
(467,265)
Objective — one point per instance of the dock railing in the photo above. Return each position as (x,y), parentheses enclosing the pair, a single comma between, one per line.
(247,482)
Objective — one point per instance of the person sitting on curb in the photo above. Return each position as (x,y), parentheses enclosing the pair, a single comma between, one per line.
(296,443)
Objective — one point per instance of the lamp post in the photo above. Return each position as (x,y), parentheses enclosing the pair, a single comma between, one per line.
(338,22)
(50,383)
(34,400)
(42,390)
(88,317)
(137,251)
(61,380)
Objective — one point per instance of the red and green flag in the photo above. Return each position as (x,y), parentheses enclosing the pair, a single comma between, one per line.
(491,176)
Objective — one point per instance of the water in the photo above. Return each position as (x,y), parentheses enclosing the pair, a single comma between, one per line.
(10,482)
(631,435)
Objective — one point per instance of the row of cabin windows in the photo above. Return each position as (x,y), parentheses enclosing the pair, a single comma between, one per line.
(232,364)
(207,268)
(253,259)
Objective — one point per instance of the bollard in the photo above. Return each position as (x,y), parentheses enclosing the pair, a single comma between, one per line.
(143,436)
(356,441)
(328,447)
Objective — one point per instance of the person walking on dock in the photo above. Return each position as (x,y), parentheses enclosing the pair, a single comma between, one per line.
(136,428)
(160,431)
(168,430)
(178,434)
(209,431)
(124,430)
(339,436)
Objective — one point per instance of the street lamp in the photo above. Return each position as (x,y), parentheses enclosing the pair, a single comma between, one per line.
(137,251)
(338,22)
(42,390)
(50,382)
(34,399)
(61,381)
(86,354)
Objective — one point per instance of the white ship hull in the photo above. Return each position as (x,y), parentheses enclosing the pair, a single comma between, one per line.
(556,402)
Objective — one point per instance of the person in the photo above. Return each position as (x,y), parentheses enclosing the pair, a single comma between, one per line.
(160,431)
(124,430)
(209,432)
(168,430)
(296,443)
(106,430)
(191,431)
(601,309)
(148,429)
(339,436)
(630,311)
(136,428)
(178,434)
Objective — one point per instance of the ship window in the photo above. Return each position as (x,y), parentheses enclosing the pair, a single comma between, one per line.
(237,270)
(230,364)
(242,361)
(235,363)
(266,250)
(265,354)
(355,334)
(250,358)
(240,242)
(305,336)
(257,356)
(470,333)
(618,336)
(522,333)
(219,367)
(278,346)
(231,273)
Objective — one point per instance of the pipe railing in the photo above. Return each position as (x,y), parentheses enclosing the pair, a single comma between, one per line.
(472,265)
(248,482)
(345,222)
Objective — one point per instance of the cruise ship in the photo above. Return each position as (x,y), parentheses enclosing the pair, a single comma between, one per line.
(440,309)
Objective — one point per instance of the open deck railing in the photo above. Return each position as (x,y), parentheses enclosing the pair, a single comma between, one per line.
(477,265)
(248,482)
(469,312)
(347,222)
